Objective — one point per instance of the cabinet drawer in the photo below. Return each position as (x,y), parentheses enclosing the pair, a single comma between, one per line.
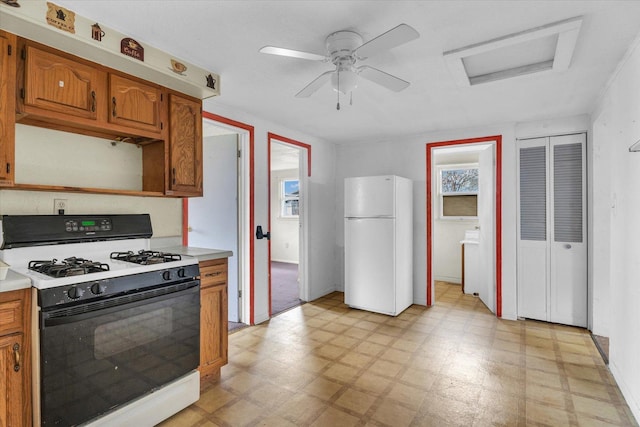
(11,312)
(213,273)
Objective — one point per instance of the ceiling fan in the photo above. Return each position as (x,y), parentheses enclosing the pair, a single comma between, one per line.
(344,50)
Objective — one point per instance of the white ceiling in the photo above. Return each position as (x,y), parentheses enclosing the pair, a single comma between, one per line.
(225,36)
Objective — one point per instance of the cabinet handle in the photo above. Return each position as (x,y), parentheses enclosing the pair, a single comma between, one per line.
(16,355)
(93,101)
(217,273)
(173,172)
(113,103)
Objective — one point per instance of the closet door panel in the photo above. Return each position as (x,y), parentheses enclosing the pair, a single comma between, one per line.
(568,234)
(532,248)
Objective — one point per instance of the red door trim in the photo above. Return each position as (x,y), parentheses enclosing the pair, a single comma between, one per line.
(284,139)
(498,226)
(185,205)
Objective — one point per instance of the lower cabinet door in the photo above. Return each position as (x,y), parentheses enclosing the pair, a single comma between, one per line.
(213,329)
(12,409)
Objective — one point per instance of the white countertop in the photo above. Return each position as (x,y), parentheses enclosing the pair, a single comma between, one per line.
(202,254)
(14,281)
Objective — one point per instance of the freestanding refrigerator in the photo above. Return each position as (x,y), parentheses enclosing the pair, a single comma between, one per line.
(378,227)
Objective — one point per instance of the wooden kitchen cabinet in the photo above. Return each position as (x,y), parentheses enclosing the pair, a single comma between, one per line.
(135,104)
(185,146)
(7,107)
(15,358)
(59,86)
(213,317)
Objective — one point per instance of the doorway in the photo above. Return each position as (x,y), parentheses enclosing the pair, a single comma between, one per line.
(287,249)
(222,219)
(465,214)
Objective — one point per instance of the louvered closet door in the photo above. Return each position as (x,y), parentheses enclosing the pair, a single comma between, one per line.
(568,266)
(532,229)
(552,246)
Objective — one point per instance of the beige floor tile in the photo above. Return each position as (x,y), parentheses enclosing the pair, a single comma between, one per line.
(241,413)
(322,388)
(356,401)
(544,414)
(589,388)
(393,414)
(270,395)
(214,399)
(595,408)
(342,373)
(302,409)
(385,368)
(409,396)
(372,383)
(398,356)
(543,378)
(546,395)
(275,421)
(357,360)
(583,372)
(332,417)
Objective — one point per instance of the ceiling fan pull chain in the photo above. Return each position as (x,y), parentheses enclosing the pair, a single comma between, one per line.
(338,105)
(350,98)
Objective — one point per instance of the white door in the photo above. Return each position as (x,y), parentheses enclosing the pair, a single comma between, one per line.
(552,248)
(568,299)
(213,218)
(369,264)
(370,196)
(486,219)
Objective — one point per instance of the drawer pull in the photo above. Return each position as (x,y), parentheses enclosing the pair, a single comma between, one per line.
(93,101)
(217,273)
(113,103)
(16,355)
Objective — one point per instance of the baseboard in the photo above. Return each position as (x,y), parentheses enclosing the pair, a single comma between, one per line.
(626,391)
(284,261)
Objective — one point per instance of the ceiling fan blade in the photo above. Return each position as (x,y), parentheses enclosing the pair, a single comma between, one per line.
(401,34)
(315,85)
(272,50)
(383,79)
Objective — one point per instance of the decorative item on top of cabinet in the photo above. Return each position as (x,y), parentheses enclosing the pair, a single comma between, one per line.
(7,107)
(15,357)
(213,316)
(185,146)
(135,104)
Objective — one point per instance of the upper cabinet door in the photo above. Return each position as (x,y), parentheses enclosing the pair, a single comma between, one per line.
(60,84)
(7,107)
(185,139)
(134,104)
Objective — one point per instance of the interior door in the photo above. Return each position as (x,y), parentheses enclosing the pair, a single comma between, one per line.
(568,298)
(532,248)
(213,218)
(486,218)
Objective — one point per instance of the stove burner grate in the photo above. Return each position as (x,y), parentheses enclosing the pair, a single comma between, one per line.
(145,257)
(72,266)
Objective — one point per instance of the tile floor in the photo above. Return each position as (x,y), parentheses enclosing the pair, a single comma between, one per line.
(323,364)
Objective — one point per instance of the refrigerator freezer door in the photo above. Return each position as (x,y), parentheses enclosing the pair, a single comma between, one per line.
(369,264)
(372,196)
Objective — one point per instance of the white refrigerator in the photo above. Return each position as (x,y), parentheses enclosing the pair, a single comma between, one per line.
(378,231)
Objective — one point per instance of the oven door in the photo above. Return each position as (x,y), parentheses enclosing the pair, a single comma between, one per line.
(99,355)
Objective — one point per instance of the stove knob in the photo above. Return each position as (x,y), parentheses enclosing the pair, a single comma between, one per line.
(97,288)
(181,272)
(166,275)
(74,292)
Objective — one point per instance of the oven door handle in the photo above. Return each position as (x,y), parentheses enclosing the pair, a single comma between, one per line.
(49,318)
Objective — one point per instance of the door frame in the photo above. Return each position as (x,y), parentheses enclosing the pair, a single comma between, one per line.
(303,231)
(497,139)
(246,249)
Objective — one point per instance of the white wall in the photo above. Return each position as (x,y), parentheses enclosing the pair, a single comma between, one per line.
(284,231)
(616,207)
(447,254)
(321,202)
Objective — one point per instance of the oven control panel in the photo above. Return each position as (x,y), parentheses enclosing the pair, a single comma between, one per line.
(84,225)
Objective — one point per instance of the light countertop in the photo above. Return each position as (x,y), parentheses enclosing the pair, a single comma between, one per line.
(14,281)
(203,254)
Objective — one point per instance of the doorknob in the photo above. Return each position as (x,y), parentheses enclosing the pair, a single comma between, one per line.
(261,235)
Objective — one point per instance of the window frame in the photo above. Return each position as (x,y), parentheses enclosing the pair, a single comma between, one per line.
(284,198)
(442,195)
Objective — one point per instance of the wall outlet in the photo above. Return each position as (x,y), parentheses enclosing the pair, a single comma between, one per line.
(59,206)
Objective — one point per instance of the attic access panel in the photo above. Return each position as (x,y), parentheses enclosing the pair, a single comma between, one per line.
(546,48)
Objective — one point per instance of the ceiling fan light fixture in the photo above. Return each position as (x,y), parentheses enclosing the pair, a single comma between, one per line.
(344,81)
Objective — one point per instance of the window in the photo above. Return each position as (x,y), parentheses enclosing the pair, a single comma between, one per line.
(290,198)
(459,191)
